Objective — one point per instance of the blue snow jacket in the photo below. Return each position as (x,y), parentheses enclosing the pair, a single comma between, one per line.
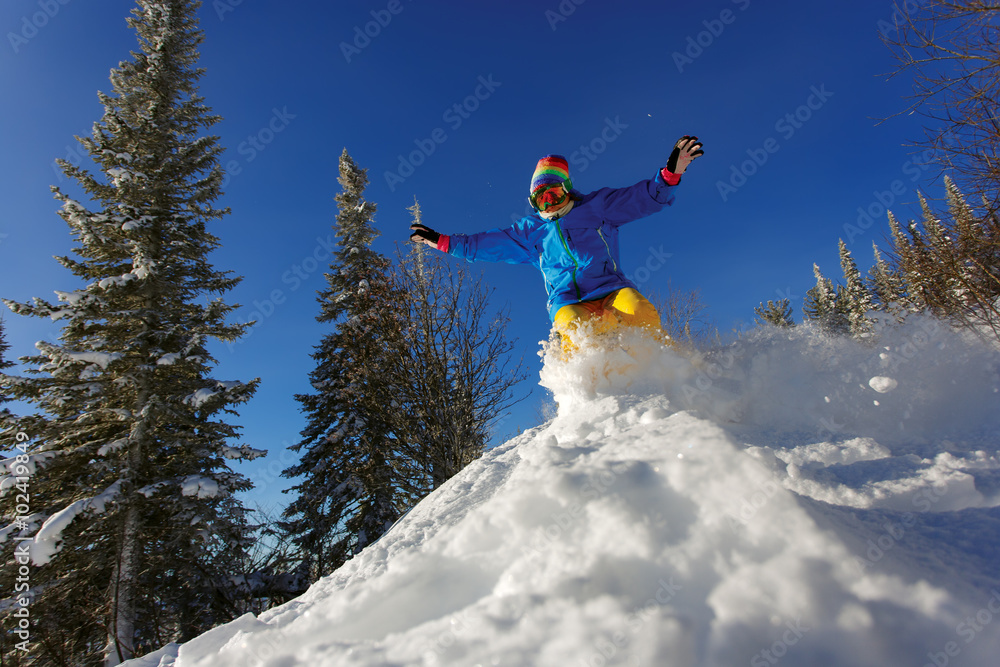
(578,253)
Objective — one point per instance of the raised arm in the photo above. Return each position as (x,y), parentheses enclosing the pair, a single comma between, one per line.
(623,205)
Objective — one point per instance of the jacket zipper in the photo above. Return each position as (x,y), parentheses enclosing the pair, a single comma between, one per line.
(614,265)
(576,265)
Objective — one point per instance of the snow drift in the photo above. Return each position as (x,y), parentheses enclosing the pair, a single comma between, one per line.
(791,499)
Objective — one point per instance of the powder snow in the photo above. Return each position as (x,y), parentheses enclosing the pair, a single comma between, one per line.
(754,506)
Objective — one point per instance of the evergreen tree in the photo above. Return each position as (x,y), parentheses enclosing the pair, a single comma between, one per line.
(857,299)
(407,388)
(975,245)
(886,285)
(776,313)
(351,488)
(825,305)
(4,364)
(133,499)
(951,262)
(912,260)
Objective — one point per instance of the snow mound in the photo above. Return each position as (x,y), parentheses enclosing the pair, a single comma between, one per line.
(747,507)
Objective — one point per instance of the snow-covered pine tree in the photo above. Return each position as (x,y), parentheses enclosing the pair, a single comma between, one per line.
(944,282)
(4,364)
(857,299)
(911,259)
(776,313)
(951,262)
(349,489)
(132,497)
(887,286)
(975,238)
(825,306)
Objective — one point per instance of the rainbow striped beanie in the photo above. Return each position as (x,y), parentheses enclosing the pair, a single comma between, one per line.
(551,170)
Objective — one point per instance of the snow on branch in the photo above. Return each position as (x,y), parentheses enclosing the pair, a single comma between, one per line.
(116,281)
(61,359)
(200,486)
(48,539)
(205,394)
(112,447)
(244,452)
(14,467)
(21,525)
(101,359)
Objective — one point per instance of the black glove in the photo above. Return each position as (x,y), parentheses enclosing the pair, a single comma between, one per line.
(424,234)
(685,151)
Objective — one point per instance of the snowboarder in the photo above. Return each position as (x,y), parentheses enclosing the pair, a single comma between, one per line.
(573,239)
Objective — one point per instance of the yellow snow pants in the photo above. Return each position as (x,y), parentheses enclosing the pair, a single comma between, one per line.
(624,307)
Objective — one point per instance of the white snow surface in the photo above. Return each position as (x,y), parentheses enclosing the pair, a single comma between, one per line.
(751,508)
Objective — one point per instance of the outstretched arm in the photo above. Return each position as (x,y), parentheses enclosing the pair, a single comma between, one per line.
(510,245)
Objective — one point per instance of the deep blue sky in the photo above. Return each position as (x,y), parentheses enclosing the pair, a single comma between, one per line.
(601,84)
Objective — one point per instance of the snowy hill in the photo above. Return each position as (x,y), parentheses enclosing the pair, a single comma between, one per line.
(794,500)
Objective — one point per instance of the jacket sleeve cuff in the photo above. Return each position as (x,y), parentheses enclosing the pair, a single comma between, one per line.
(669,177)
(444,243)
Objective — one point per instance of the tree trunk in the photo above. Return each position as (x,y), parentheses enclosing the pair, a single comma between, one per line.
(124,590)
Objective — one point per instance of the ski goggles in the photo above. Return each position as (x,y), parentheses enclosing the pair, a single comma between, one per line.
(552,196)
